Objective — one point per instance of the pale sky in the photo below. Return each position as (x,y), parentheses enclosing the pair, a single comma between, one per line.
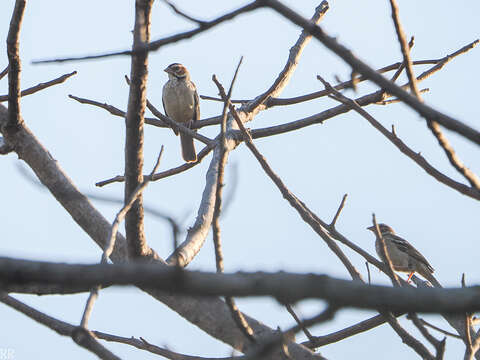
(261,231)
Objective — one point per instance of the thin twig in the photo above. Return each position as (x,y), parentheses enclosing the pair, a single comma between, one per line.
(368,272)
(416,157)
(295,52)
(110,243)
(396,100)
(4,72)
(362,101)
(359,66)
(305,330)
(405,49)
(267,347)
(439,345)
(82,337)
(237,316)
(174,171)
(303,211)
(273,101)
(41,86)
(157,44)
(408,339)
(445,332)
(200,23)
(157,122)
(434,127)
(339,210)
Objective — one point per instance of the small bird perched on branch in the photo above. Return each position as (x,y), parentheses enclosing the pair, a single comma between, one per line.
(404,257)
(181,103)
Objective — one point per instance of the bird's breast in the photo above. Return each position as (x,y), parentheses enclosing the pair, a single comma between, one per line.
(179,101)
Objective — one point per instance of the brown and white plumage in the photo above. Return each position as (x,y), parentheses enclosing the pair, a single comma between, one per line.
(181,103)
(404,257)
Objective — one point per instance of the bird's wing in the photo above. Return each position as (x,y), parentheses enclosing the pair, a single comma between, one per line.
(165,109)
(406,247)
(196,104)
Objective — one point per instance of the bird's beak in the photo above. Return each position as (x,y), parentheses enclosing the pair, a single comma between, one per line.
(167,70)
(371,228)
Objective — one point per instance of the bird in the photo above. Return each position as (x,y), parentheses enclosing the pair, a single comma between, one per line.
(181,103)
(403,256)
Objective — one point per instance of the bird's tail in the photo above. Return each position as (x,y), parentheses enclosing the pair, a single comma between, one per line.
(188,148)
(429,276)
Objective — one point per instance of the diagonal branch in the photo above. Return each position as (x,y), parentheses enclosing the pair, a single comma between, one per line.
(4,72)
(157,44)
(432,125)
(295,52)
(408,339)
(82,337)
(41,86)
(368,99)
(416,157)
(301,208)
(360,67)
(274,101)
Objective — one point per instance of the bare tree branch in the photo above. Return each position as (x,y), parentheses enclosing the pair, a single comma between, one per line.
(200,23)
(143,344)
(272,101)
(408,339)
(303,211)
(174,171)
(368,99)
(360,67)
(237,316)
(41,86)
(4,72)
(439,345)
(82,337)
(432,125)
(305,330)
(426,323)
(416,157)
(14,65)
(157,44)
(286,287)
(107,251)
(136,241)
(160,121)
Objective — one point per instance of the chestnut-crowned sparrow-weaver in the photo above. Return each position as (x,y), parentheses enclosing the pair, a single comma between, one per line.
(403,255)
(181,103)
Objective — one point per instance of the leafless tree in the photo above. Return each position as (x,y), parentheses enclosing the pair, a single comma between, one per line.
(199,296)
